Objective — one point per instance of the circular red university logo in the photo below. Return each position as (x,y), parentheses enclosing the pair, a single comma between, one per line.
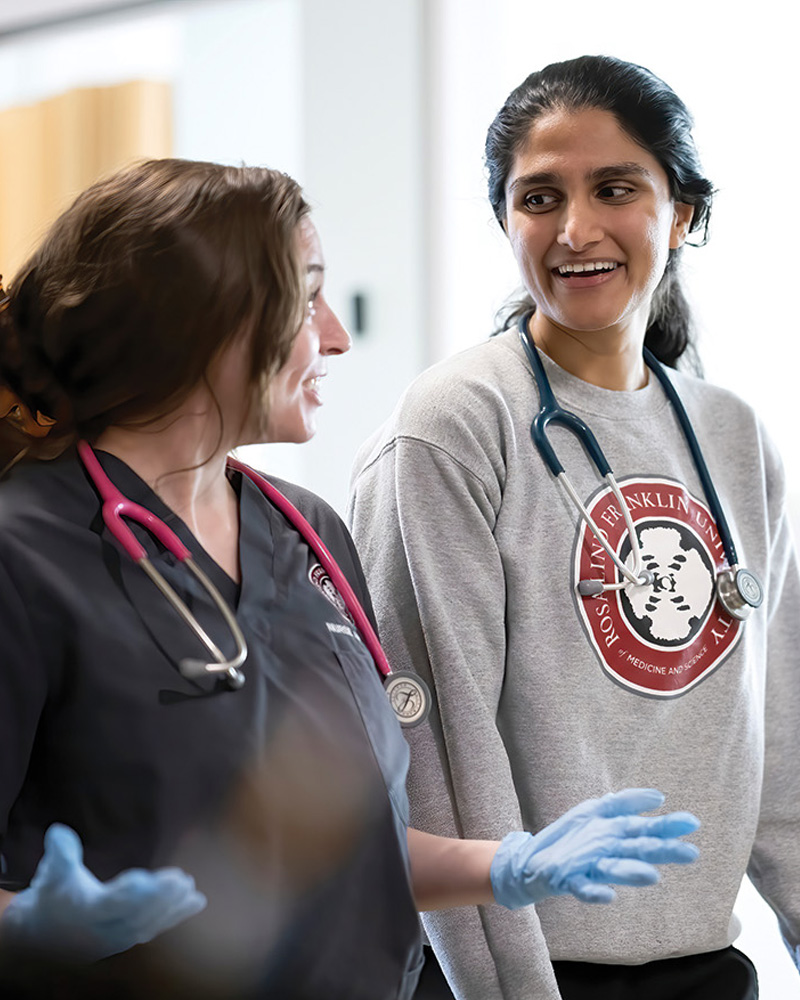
(664,638)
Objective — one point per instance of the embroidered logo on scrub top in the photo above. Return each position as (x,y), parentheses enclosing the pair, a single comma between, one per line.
(319,577)
(663,638)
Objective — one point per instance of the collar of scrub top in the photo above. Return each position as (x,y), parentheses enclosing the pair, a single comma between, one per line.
(116,506)
(738,589)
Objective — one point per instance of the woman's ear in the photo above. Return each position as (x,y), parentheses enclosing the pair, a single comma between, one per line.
(681,220)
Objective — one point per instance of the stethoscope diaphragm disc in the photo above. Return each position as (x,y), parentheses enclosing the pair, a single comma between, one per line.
(739,592)
(409,697)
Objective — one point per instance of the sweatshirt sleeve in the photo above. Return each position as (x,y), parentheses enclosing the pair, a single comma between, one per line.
(775,859)
(423,523)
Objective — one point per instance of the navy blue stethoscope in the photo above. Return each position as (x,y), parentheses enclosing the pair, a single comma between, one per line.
(408,694)
(738,590)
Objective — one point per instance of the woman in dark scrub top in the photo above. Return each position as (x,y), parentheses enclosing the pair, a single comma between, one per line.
(174,312)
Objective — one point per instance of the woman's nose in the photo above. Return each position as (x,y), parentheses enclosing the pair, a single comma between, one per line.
(580,226)
(333,338)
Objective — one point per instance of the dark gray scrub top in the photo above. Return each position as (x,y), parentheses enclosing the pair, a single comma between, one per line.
(286,799)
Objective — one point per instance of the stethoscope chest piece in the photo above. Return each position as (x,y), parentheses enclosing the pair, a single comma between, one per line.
(739,592)
(409,697)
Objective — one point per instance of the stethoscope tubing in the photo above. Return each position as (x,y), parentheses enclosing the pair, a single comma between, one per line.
(714,503)
(115,506)
(551,412)
(328,563)
(738,589)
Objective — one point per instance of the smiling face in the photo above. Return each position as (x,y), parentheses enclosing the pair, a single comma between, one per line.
(294,392)
(591,221)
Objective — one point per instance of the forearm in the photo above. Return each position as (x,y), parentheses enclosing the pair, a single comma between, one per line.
(447,872)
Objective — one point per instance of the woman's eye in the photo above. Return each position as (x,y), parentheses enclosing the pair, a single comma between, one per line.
(311,307)
(539,200)
(615,192)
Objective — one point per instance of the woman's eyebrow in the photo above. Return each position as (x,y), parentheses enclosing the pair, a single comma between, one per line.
(530,180)
(619,170)
(613,170)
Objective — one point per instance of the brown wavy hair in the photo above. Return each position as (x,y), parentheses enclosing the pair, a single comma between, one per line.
(136,289)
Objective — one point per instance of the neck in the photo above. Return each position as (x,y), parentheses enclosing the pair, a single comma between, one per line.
(182,459)
(611,358)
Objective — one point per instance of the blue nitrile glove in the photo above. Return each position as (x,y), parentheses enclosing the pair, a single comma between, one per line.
(597,842)
(793,949)
(68,911)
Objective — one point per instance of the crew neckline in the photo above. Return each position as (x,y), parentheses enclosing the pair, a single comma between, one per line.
(574,393)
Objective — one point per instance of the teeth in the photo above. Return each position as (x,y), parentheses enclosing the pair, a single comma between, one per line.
(590,267)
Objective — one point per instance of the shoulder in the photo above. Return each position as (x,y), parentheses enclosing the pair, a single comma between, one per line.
(314,509)
(323,519)
(730,430)
(481,378)
(334,534)
(711,398)
(52,493)
(467,406)
(721,415)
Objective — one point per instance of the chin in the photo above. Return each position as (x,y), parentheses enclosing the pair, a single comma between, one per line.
(299,435)
(590,324)
(306,435)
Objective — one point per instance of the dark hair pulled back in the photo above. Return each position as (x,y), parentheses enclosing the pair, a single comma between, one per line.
(653,116)
(136,289)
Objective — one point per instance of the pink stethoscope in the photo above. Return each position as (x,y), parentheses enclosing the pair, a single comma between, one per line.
(408,694)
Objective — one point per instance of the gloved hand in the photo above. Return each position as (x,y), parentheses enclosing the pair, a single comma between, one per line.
(597,842)
(67,911)
(793,949)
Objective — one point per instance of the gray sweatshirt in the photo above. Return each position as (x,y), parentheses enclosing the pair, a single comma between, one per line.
(544,698)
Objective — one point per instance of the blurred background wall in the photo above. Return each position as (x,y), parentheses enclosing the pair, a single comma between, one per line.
(379,108)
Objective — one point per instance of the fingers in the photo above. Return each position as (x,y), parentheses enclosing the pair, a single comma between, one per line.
(624,871)
(138,905)
(628,801)
(675,824)
(630,865)
(62,859)
(189,904)
(590,892)
(655,850)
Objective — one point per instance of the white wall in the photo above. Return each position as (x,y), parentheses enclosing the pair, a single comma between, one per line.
(363,169)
